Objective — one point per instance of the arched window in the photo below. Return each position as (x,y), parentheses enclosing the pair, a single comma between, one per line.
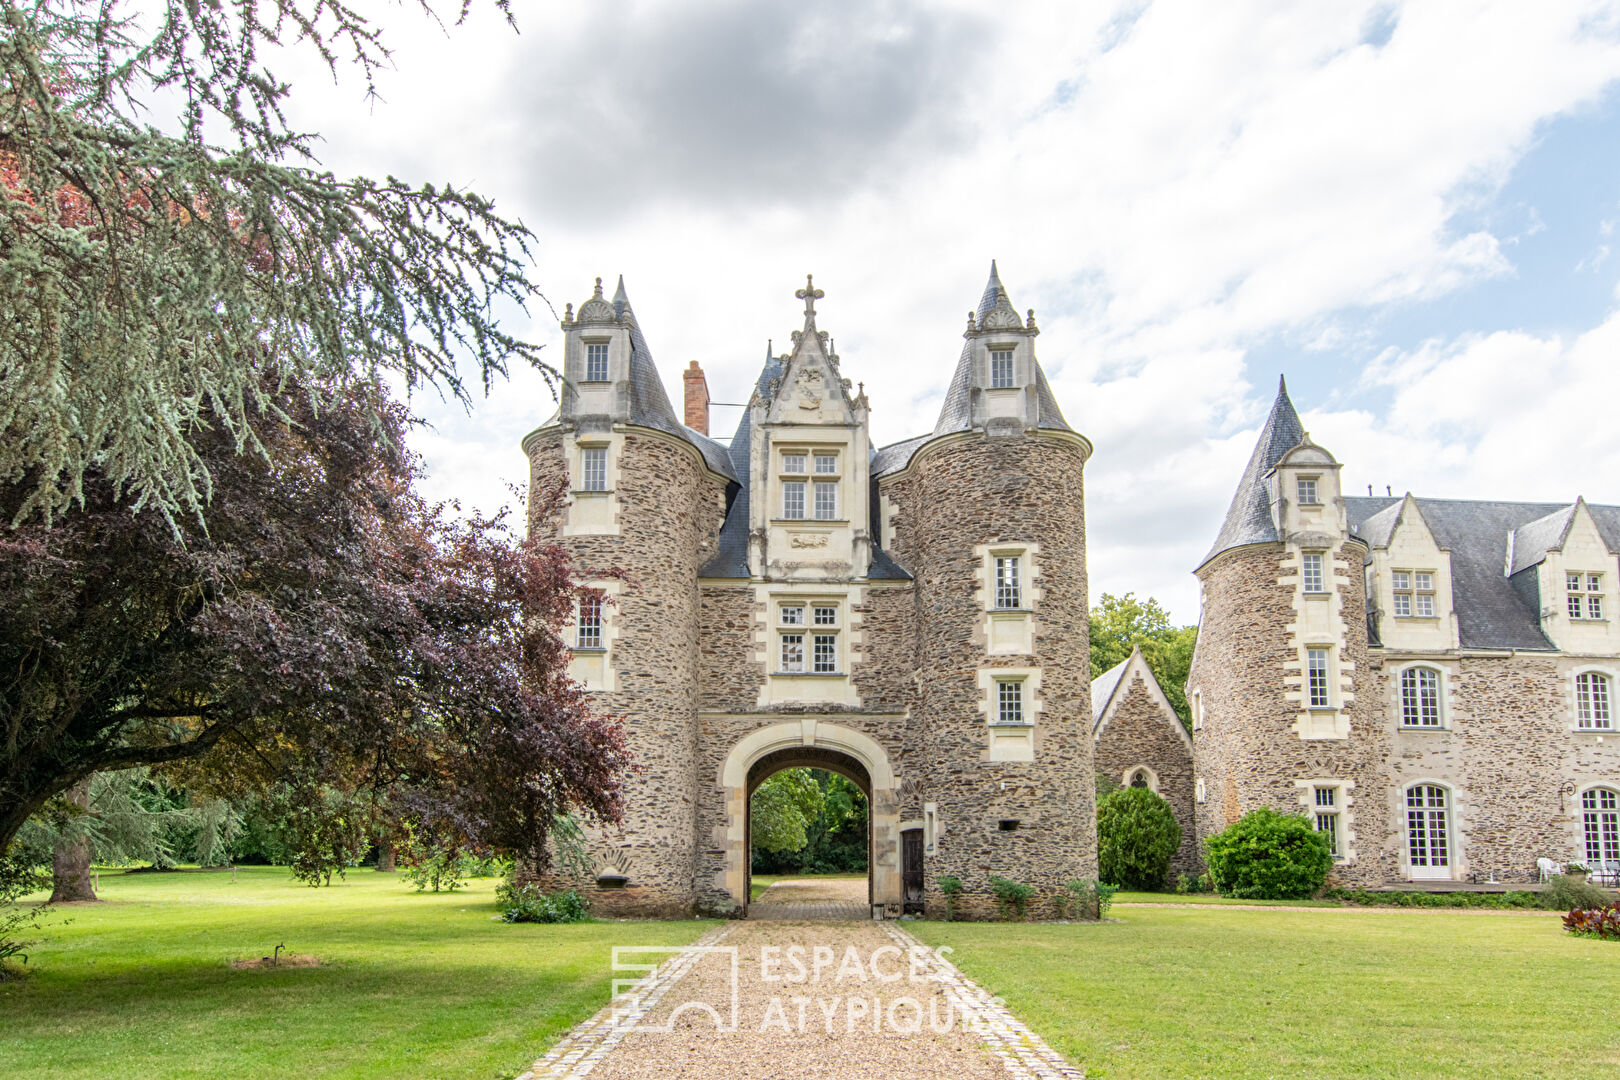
(1428,831)
(1592,699)
(1600,821)
(1139,778)
(1420,697)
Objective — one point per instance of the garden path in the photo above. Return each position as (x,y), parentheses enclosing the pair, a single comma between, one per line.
(813,1001)
(836,898)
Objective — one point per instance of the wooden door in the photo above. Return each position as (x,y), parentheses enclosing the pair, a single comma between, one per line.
(911,868)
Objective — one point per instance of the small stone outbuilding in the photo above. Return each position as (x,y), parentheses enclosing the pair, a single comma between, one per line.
(1139,741)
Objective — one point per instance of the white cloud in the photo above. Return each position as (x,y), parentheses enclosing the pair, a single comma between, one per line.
(1165,183)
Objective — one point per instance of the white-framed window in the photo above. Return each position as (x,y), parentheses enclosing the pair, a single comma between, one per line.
(792,614)
(1600,825)
(792,653)
(1325,810)
(793,462)
(826,500)
(1428,829)
(1311,572)
(793,500)
(1316,678)
(1420,697)
(1307,491)
(588,623)
(824,658)
(1587,602)
(596,361)
(1001,368)
(1414,593)
(593,468)
(1009,701)
(826,615)
(1593,698)
(1009,583)
(826,464)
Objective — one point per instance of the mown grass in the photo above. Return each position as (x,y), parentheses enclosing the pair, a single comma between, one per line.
(1123,897)
(411,985)
(1204,992)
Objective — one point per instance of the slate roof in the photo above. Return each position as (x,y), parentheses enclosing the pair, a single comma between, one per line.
(1248,519)
(730,559)
(1102,689)
(649,404)
(1530,542)
(1491,613)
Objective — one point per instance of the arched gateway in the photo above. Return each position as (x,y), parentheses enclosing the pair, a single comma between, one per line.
(816,744)
(799,597)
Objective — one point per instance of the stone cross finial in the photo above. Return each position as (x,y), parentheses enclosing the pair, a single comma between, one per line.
(809,294)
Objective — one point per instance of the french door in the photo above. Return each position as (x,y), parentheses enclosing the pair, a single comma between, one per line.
(1428,832)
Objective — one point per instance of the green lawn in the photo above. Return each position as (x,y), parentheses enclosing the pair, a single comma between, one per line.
(1123,897)
(1205,992)
(413,985)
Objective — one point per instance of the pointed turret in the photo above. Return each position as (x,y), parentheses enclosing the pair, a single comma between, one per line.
(999,386)
(1249,519)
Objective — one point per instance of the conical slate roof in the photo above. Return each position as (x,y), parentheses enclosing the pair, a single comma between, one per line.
(649,403)
(956,414)
(1248,519)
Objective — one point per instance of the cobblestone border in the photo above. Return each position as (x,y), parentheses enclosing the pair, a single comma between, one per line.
(1024,1053)
(583,1048)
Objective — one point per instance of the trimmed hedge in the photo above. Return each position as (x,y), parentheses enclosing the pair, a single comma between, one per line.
(1503,900)
(1136,836)
(1267,855)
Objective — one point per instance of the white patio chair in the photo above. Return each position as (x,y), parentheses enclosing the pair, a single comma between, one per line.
(1546,868)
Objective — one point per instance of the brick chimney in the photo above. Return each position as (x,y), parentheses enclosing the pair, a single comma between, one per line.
(697,399)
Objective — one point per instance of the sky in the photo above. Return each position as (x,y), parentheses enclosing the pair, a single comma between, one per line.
(1407,209)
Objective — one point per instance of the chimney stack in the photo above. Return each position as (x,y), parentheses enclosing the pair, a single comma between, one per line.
(697,399)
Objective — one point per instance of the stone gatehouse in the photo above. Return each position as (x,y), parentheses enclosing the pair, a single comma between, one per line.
(912,616)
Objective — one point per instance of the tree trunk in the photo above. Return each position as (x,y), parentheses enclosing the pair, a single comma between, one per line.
(385,855)
(70,861)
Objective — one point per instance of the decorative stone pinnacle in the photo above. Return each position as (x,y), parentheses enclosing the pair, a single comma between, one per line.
(598,293)
(809,294)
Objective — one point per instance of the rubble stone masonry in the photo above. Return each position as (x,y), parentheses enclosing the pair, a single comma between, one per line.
(1137,732)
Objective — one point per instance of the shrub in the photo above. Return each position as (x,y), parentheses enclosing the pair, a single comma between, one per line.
(1506,900)
(952,888)
(1268,856)
(528,903)
(1565,892)
(1599,922)
(1187,884)
(1012,897)
(1095,897)
(1136,836)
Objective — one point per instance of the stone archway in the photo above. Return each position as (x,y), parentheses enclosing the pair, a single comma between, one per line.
(816,744)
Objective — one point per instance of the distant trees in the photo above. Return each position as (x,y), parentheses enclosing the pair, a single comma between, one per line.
(827,833)
(1120,623)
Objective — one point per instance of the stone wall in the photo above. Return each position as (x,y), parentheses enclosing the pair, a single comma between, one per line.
(1137,731)
(961,492)
(670,510)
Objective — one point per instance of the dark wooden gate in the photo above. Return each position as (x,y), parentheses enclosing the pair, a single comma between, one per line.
(911,868)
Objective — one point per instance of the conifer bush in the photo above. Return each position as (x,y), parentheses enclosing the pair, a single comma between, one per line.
(1267,855)
(1137,835)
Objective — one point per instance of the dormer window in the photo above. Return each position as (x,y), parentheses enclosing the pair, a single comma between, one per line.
(1307,491)
(1587,602)
(1414,593)
(1001,369)
(596,362)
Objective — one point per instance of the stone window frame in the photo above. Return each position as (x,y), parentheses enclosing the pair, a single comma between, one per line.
(1442,696)
(1014,628)
(1590,727)
(1319,560)
(593,511)
(1413,594)
(592,355)
(808,629)
(1200,791)
(1608,832)
(1300,492)
(1345,810)
(1197,710)
(1009,355)
(594,667)
(1584,605)
(1127,777)
(1011,742)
